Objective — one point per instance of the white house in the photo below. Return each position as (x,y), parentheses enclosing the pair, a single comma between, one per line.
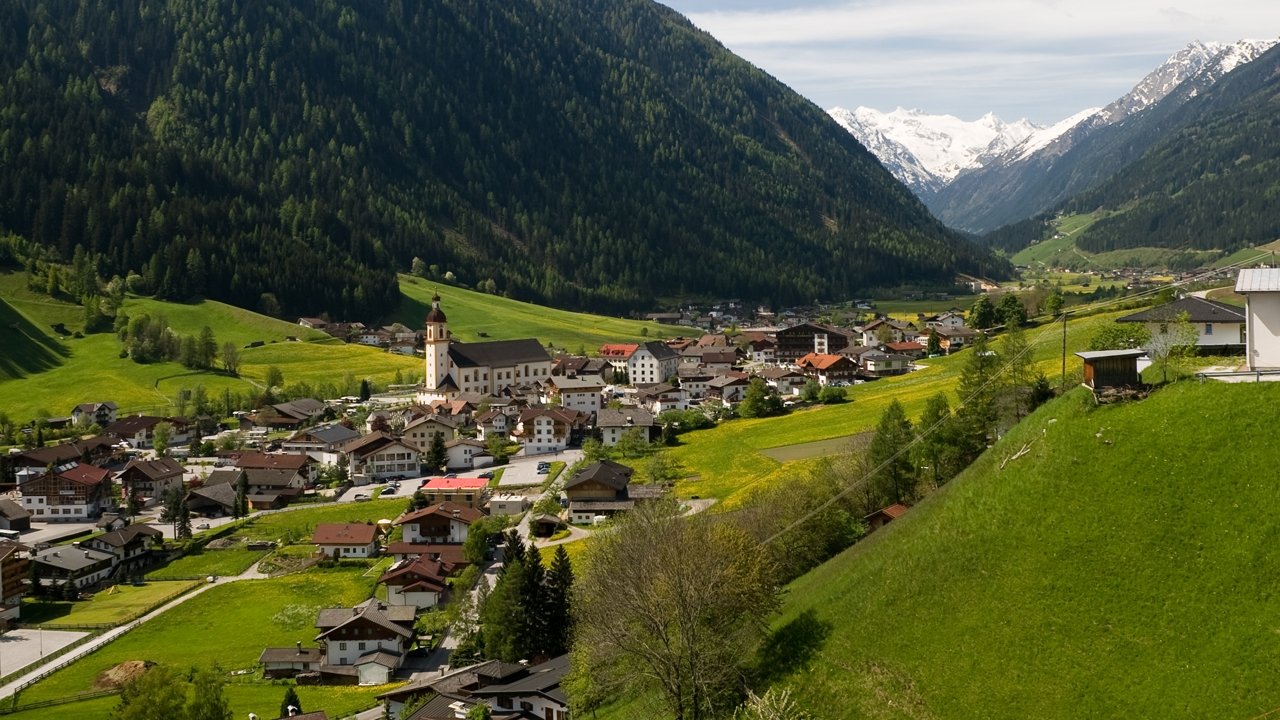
(421,433)
(1219,327)
(378,455)
(613,424)
(582,393)
(373,638)
(652,362)
(546,430)
(322,443)
(419,582)
(444,522)
(466,454)
(346,540)
(1261,289)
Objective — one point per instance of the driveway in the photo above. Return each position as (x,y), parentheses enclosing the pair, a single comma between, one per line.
(523,471)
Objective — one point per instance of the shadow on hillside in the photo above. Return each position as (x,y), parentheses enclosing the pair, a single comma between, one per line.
(790,648)
(26,349)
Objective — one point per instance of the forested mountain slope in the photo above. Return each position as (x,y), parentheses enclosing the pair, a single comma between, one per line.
(598,152)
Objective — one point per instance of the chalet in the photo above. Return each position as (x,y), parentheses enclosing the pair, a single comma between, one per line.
(1261,290)
(421,433)
(81,567)
(797,341)
(129,547)
(467,454)
(875,332)
(784,380)
(149,480)
(101,414)
(451,691)
(579,366)
(548,430)
(613,424)
(377,456)
(953,339)
(13,516)
(266,488)
(313,323)
(365,644)
(604,488)
(1220,328)
(693,380)
(322,443)
(829,369)
(537,694)
(442,523)
(884,516)
(728,389)
(617,355)
(762,350)
(949,319)
(139,430)
(212,500)
(491,423)
(293,414)
(419,582)
(280,663)
(576,393)
(659,398)
(15,561)
(913,350)
(881,364)
(71,493)
(454,367)
(346,540)
(470,492)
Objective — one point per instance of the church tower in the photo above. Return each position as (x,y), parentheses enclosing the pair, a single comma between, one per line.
(437,346)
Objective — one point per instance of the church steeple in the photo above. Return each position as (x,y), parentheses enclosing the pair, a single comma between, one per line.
(437,324)
(436,347)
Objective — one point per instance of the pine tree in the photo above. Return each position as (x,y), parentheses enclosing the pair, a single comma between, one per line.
(558,612)
(182,525)
(533,601)
(937,430)
(976,417)
(241,508)
(436,457)
(290,700)
(894,480)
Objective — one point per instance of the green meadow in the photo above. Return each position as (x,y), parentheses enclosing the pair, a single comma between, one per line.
(115,605)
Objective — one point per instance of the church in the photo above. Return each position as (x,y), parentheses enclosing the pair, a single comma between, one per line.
(454,367)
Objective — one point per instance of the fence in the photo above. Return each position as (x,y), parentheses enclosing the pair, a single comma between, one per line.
(76,697)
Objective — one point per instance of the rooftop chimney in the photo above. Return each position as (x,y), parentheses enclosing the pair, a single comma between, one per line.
(298,644)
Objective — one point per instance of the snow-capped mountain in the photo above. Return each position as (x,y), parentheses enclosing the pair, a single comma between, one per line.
(927,151)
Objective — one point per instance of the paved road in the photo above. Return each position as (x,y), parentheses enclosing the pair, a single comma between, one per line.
(524,470)
(20,648)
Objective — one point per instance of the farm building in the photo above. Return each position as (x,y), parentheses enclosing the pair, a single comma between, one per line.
(1111,368)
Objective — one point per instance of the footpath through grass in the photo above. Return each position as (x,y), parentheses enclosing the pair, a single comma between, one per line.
(115,605)
(1121,568)
(726,461)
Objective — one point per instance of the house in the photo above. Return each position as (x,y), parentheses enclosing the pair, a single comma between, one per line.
(129,547)
(876,332)
(1111,368)
(829,369)
(15,561)
(884,516)
(378,456)
(491,423)
(783,380)
(470,492)
(950,320)
(617,355)
(365,644)
(81,567)
(1220,328)
(442,523)
(613,424)
(313,323)
(953,339)
(548,430)
(466,454)
(13,516)
(503,505)
(139,430)
(92,451)
(265,488)
(419,582)
(112,521)
(581,393)
(728,389)
(1261,290)
(451,690)
(913,350)
(762,350)
(652,362)
(212,500)
(659,398)
(797,341)
(346,540)
(454,367)
(693,380)
(298,466)
(149,480)
(602,488)
(101,414)
(450,555)
(278,663)
(293,414)
(881,364)
(322,443)
(421,433)
(71,493)
(538,693)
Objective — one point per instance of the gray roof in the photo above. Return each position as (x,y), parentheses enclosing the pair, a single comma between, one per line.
(302,408)
(497,353)
(331,434)
(1100,354)
(11,510)
(125,536)
(1258,280)
(543,679)
(660,350)
(71,558)
(605,472)
(223,494)
(291,654)
(626,417)
(389,617)
(1197,309)
(590,382)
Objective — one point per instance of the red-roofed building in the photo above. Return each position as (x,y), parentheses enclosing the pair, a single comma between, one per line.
(463,491)
(828,369)
(72,493)
(880,518)
(444,522)
(339,540)
(913,350)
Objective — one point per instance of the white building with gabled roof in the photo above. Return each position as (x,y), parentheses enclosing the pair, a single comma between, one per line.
(1261,290)
(454,367)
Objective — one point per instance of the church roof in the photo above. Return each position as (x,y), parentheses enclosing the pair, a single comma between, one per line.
(436,315)
(497,353)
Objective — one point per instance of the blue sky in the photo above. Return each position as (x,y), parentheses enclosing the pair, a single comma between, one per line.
(1039,59)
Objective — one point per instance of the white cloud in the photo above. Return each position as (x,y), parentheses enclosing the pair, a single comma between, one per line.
(1038,58)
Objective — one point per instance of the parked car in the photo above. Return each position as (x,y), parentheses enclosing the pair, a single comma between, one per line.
(202,526)
(359,497)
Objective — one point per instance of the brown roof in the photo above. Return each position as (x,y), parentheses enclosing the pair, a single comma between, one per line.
(85,474)
(157,469)
(272,461)
(893,512)
(420,571)
(291,654)
(822,362)
(125,536)
(461,513)
(447,554)
(344,534)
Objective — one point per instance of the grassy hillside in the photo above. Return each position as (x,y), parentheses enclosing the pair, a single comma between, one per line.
(727,460)
(472,313)
(1062,250)
(1121,568)
(41,372)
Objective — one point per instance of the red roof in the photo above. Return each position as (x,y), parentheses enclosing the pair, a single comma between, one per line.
(444,483)
(893,512)
(901,346)
(822,362)
(344,534)
(618,350)
(85,474)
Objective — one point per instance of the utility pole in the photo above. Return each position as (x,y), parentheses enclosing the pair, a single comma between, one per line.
(1064,351)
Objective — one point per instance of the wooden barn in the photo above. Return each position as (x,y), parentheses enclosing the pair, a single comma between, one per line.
(1111,368)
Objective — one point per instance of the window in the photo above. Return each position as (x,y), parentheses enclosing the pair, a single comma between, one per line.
(360,646)
(1208,328)
(342,646)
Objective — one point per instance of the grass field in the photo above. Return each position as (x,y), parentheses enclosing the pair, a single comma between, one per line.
(1121,568)
(726,461)
(296,526)
(471,313)
(227,626)
(223,563)
(1054,251)
(112,606)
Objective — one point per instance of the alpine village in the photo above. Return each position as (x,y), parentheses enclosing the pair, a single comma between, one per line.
(548,360)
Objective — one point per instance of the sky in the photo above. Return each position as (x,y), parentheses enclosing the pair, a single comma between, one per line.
(1039,59)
